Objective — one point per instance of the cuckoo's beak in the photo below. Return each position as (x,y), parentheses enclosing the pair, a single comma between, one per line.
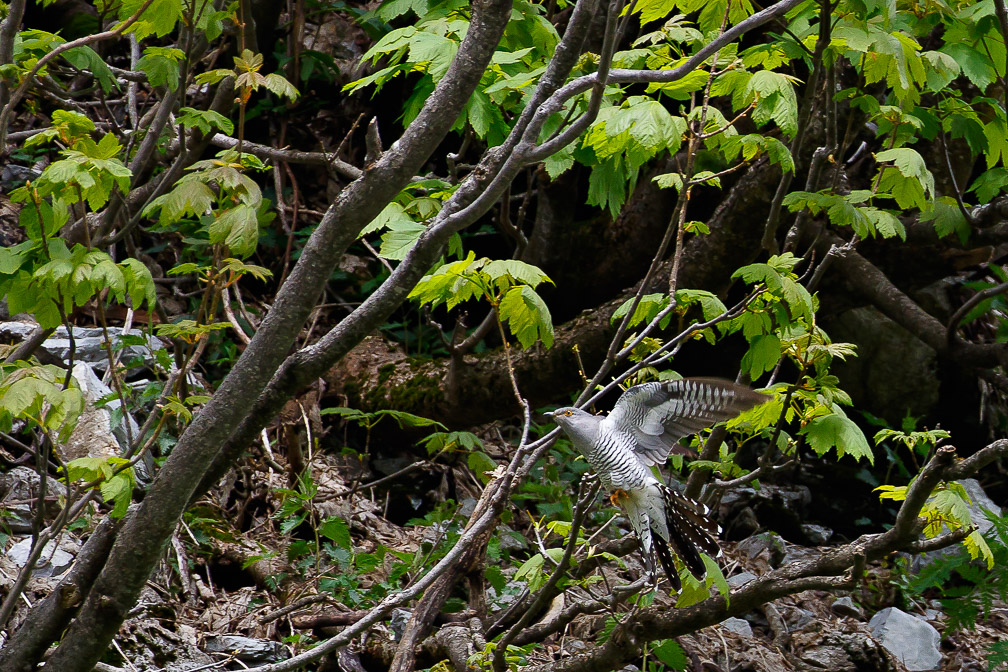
(549,414)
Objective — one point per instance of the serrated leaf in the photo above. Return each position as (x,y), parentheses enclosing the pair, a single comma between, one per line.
(400,238)
(527,316)
(238,228)
(836,430)
(763,354)
(336,530)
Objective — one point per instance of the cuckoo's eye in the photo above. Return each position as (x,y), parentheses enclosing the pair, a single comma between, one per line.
(568,412)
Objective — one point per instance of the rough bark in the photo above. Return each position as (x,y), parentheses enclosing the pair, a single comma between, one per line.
(138,545)
(48,618)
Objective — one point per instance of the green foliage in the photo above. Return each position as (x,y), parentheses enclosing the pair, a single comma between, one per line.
(997,657)
(369,420)
(113,476)
(836,430)
(162,66)
(204,120)
(947,508)
(508,285)
(670,654)
(37,395)
(226,202)
(249,79)
(967,590)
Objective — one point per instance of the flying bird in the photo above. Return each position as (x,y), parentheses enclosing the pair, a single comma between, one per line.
(644,426)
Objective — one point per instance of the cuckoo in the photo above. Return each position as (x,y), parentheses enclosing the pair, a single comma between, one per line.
(644,426)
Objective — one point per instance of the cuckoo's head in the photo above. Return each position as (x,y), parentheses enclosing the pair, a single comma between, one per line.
(577,423)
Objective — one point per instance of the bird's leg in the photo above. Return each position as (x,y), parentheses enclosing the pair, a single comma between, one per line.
(653,577)
(618,496)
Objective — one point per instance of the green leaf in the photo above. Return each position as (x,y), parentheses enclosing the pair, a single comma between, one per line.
(515,271)
(204,120)
(279,86)
(912,184)
(158,19)
(647,309)
(336,530)
(990,183)
(161,64)
(400,238)
(87,59)
(763,354)
(481,463)
(670,654)
(452,283)
(527,316)
(775,100)
(404,419)
(238,228)
(836,430)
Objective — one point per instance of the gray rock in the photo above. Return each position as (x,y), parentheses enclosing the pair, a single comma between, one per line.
(510,540)
(816,534)
(911,640)
(21,485)
(88,342)
(835,651)
(769,543)
(467,506)
(845,606)
(52,562)
(95,435)
(739,626)
(799,618)
(400,617)
(895,373)
(741,579)
(248,649)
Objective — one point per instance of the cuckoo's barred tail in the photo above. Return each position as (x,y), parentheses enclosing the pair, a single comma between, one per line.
(691,530)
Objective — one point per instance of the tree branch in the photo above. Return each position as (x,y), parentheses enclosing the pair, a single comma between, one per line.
(820,573)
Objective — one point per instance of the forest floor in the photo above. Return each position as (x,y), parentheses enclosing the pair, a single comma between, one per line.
(249,567)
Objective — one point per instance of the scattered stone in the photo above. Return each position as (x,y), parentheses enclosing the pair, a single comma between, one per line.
(52,562)
(769,543)
(400,617)
(911,640)
(94,434)
(799,618)
(467,506)
(511,540)
(932,615)
(89,343)
(842,651)
(19,490)
(739,626)
(816,535)
(247,649)
(773,507)
(845,606)
(741,579)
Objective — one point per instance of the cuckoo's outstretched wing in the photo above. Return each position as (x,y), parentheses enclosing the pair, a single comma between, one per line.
(657,415)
